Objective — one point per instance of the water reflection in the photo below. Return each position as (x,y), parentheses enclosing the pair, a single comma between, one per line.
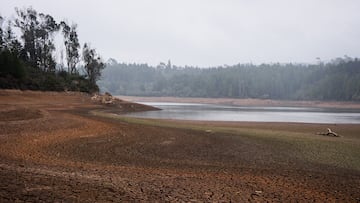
(190,111)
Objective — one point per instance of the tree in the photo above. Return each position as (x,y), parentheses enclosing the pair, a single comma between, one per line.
(10,49)
(30,64)
(10,65)
(72,46)
(27,23)
(93,64)
(45,46)
(37,33)
(10,42)
(8,36)
(168,66)
(1,34)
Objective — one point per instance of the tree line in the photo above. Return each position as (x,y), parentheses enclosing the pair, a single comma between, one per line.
(336,80)
(28,61)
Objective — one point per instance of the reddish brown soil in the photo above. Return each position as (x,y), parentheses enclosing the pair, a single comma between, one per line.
(58,152)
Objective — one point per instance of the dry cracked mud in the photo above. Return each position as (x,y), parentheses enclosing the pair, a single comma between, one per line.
(52,149)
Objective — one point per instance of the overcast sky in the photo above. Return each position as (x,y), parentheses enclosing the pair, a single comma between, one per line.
(209,32)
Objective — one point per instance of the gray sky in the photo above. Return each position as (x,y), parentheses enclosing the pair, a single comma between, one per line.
(209,32)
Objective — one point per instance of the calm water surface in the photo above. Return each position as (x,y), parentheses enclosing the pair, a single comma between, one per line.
(208,112)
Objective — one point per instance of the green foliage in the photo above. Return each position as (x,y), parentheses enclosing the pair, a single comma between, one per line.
(93,64)
(72,46)
(31,64)
(11,65)
(37,32)
(1,34)
(338,80)
(76,82)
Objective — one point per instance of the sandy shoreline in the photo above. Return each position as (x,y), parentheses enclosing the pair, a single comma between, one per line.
(58,147)
(247,102)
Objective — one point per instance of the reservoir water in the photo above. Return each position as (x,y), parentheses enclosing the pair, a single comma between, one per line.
(210,112)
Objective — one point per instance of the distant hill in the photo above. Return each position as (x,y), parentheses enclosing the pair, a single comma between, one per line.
(338,80)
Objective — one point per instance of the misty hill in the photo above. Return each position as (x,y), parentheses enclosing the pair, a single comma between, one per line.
(337,80)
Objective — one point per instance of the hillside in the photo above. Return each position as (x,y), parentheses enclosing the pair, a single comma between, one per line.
(335,81)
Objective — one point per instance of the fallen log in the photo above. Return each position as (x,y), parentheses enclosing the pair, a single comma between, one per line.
(329,133)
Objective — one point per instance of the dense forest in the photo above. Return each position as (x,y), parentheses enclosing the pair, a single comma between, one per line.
(336,80)
(28,61)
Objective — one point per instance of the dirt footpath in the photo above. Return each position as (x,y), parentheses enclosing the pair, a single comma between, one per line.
(53,150)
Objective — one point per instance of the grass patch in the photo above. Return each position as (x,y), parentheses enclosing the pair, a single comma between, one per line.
(334,152)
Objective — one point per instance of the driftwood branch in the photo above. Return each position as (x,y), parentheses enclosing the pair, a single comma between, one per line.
(329,133)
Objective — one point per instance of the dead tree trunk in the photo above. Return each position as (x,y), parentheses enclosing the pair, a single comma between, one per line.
(329,133)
